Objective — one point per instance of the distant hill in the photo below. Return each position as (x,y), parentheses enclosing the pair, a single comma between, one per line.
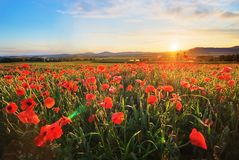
(198,51)
(210,51)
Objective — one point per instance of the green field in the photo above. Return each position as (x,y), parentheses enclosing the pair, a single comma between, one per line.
(75,110)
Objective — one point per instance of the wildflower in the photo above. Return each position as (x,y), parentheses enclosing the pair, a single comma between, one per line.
(231,83)
(117,79)
(142,83)
(46,93)
(185,84)
(121,86)
(176,99)
(28,116)
(51,132)
(25,65)
(112,89)
(56,110)
(194,80)
(28,103)
(168,88)
(105,86)
(207,79)
(11,108)
(25,85)
(49,102)
(204,93)
(197,139)
(91,118)
(20,91)
(48,133)
(227,69)
(129,88)
(179,106)
(90,96)
(8,77)
(101,68)
(149,89)
(117,117)
(108,103)
(134,73)
(152,99)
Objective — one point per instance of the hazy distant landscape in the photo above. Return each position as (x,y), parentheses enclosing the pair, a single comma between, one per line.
(199,53)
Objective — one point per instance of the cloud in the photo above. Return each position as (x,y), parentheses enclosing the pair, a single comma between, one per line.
(229,14)
(156,9)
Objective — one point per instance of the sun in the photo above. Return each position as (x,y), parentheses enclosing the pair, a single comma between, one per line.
(174,47)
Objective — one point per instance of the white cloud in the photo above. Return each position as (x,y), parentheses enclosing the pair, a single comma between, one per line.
(156,9)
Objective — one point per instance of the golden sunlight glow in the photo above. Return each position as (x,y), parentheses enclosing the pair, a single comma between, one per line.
(174,47)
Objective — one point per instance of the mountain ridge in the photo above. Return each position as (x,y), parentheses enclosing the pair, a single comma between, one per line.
(193,51)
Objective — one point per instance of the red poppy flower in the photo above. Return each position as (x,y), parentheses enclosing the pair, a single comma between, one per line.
(185,84)
(150,88)
(28,103)
(28,116)
(168,88)
(8,77)
(11,108)
(63,121)
(121,86)
(175,98)
(91,118)
(112,89)
(197,139)
(179,106)
(219,87)
(207,79)
(134,73)
(142,83)
(152,99)
(227,69)
(91,80)
(25,85)
(105,86)
(20,91)
(204,93)
(90,96)
(117,79)
(46,93)
(194,80)
(88,103)
(49,102)
(56,110)
(117,117)
(108,103)
(25,65)
(231,83)
(48,133)
(51,132)
(129,88)
(101,68)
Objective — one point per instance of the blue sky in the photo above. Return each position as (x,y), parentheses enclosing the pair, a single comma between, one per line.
(74,26)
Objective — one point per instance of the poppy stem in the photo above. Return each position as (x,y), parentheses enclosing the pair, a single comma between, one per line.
(183,145)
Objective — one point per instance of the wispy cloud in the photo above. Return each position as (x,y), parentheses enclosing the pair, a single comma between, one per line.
(229,14)
(147,8)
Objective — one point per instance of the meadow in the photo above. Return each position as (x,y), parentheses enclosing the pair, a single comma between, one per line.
(119,111)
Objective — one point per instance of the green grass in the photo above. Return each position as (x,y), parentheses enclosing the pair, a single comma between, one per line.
(148,131)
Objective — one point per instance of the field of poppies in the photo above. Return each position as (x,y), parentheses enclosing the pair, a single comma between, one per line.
(119,111)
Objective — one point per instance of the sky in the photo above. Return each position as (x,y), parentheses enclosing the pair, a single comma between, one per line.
(77,26)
